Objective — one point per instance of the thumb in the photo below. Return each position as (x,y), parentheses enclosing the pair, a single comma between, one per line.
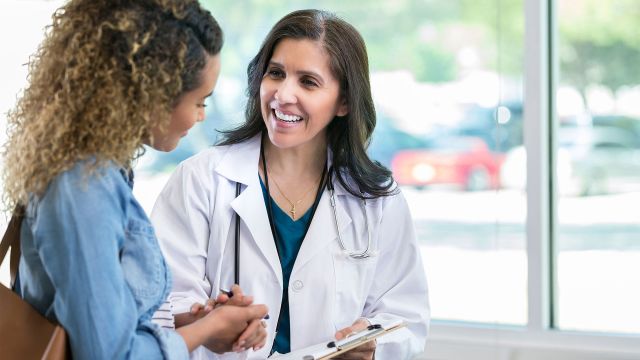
(257,311)
(343,333)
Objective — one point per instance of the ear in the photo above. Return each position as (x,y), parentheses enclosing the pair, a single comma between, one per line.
(343,109)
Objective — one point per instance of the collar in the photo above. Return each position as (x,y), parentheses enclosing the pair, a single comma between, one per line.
(240,163)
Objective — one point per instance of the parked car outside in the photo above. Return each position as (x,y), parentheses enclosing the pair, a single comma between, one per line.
(591,160)
(387,140)
(500,127)
(463,162)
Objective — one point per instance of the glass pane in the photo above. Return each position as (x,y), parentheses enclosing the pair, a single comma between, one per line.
(448,86)
(598,166)
(447,82)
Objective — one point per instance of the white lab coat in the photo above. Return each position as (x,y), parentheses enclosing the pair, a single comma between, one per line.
(194,221)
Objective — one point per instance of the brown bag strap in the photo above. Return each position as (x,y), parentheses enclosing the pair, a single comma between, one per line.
(11,239)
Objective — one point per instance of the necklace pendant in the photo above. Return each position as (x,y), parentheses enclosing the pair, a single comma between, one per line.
(293,212)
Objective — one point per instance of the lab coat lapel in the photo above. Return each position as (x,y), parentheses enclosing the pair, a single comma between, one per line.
(322,230)
(250,206)
(240,164)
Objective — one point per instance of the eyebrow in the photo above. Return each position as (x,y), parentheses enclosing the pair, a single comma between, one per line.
(301,72)
(209,94)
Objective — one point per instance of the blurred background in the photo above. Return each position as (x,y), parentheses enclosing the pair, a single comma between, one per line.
(448,83)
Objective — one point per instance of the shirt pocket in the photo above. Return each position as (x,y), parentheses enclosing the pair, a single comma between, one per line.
(142,264)
(353,280)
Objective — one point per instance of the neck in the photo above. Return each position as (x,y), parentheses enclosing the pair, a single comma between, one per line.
(303,160)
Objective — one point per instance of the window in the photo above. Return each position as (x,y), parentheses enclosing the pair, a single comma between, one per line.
(518,149)
(598,166)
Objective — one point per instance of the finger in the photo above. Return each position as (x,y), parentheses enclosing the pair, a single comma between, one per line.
(195,308)
(247,300)
(222,299)
(211,303)
(237,291)
(360,324)
(243,340)
(251,335)
(256,312)
(244,301)
(364,351)
(343,333)
(262,340)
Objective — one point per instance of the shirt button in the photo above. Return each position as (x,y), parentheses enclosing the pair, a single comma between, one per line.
(298,285)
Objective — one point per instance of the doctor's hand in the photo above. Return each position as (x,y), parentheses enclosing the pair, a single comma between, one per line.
(255,335)
(198,310)
(362,352)
(237,299)
(221,328)
(235,328)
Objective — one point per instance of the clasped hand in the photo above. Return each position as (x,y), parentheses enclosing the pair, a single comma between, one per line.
(235,334)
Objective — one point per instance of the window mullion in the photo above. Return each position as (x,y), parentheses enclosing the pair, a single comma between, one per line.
(537,110)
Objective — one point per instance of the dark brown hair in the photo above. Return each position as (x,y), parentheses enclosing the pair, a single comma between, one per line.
(348,137)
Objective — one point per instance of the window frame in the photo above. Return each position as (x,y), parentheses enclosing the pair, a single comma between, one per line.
(448,339)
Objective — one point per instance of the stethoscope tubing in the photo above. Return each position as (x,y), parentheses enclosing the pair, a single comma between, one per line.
(354,254)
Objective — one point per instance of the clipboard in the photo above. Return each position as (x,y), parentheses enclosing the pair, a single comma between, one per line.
(331,349)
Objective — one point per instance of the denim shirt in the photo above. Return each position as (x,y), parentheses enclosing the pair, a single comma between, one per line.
(91,262)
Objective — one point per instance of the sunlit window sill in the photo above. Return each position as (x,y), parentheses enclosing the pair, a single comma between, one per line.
(448,340)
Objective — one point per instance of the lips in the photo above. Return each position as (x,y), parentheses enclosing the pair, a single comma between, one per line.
(288,118)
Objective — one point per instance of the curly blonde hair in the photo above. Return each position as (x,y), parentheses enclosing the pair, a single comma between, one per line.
(106,73)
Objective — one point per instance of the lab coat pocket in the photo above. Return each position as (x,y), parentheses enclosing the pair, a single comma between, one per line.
(141,261)
(353,280)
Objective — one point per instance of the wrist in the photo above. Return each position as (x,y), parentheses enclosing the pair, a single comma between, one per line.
(192,335)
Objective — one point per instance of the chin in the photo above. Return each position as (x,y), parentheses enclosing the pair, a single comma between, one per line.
(165,147)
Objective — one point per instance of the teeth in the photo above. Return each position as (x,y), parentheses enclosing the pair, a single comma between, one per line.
(287,118)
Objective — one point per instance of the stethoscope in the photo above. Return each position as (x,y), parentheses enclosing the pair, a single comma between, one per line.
(356,254)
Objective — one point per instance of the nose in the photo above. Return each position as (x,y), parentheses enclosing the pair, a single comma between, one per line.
(286,92)
(200,115)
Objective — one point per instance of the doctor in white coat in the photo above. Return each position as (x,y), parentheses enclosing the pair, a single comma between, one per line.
(325,238)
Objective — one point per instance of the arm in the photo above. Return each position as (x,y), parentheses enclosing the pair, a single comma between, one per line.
(79,227)
(181,216)
(400,288)
(181,220)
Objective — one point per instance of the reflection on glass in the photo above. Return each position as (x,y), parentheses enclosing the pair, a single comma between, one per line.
(598,166)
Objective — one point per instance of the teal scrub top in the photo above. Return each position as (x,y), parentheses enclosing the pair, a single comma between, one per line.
(290,236)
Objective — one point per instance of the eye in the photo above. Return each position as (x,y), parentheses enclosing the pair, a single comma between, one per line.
(309,82)
(202,105)
(275,73)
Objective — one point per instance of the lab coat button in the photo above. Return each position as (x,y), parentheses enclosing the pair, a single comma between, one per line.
(298,285)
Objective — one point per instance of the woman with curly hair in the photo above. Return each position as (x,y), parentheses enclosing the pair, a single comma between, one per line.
(110,76)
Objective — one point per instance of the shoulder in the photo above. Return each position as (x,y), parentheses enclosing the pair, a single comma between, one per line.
(206,159)
(229,161)
(80,195)
(202,166)
(86,178)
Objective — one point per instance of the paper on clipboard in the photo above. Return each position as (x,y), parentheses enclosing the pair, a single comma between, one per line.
(330,349)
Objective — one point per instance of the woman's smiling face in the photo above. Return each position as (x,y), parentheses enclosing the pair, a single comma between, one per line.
(299,95)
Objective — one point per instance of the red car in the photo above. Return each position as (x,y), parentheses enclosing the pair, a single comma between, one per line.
(460,161)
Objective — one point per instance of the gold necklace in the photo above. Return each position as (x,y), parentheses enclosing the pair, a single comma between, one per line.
(293,204)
